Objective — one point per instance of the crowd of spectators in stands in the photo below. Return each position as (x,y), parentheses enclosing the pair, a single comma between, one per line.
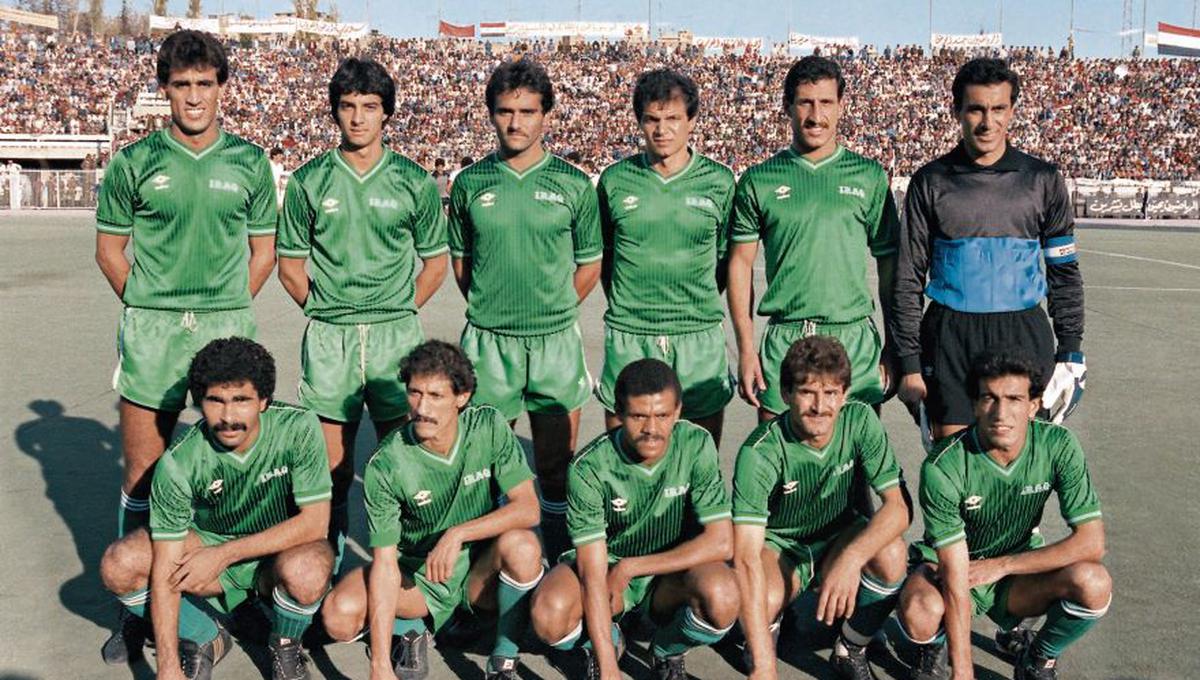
(1096,118)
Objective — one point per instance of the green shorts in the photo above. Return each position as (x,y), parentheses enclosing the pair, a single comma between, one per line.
(637,594)
(862,343)
(806,557)
(155,349)
(238,580)
(536,373)
(699,359)
(343,366)
(442,599)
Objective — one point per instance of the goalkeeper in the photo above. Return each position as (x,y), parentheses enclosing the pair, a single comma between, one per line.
(979,223)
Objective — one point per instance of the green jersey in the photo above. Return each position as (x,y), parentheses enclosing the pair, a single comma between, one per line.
(414,495)
(201,485)
(816,222)
(190,215)
(641,510)
(965,495)
(802,494)
(524,233)
(664,237)
(362,234)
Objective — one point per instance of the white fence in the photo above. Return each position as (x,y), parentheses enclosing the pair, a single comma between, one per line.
(48,189)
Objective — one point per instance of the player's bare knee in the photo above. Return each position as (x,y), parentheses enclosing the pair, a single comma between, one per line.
(890,563)
(921,607)
(304,571)
(550,613)
(719,599)
(775,601)
(1090,584)
(125,565)
(341,613)
(520,554)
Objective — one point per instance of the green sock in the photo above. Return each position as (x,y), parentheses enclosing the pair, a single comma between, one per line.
(686,630)
(1066,622)
(194,624)
(133,513)
(512,599)
(291,618)
(402,626)
(872,606)
(616,637)
(136,602)
(568,643)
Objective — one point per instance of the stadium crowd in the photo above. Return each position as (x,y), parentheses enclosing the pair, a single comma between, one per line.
(1097,118)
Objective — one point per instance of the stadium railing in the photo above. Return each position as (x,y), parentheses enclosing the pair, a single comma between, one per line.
(48,189)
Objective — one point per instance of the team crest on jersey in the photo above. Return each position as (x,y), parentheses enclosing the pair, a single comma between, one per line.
(161,182)
(852,191)
(387,203)
(973,503)
(630,203)
(223,185)
(548,197)
(330,205)
(272,474)
(1031,489)
(620,505)
(477,476)
(423,497)
(783,192)
(675,491)
(487,200)
(703,202)
(790,487)
(216,487)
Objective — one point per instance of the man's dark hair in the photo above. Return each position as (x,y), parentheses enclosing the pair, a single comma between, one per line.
(984,71)
(642,377)
(813,356)
(362,76)
(663,85)
(811,69)
(519,74)
(276,152)
(435,357)
(465,161)
(995,364)
(191,49)
(232,360)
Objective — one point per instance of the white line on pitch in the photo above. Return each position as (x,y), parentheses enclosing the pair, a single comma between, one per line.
(1140,259)
(1145,288)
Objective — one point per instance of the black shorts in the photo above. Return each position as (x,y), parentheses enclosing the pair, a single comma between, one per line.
(950,341)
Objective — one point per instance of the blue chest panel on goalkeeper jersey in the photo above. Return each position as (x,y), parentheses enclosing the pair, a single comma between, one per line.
(986,274)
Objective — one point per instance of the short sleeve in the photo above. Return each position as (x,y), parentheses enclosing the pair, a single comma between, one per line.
(459,230)
(585,506)
(755,475)
(262,205)
(709,498)
(1077,499)
(296,224)
(311,482)
(939,507)
(874,452)
(585,230)
(115,203)
(428,221)
(170,501)
(746,215)
(509,466)
(883,225)
(382,501)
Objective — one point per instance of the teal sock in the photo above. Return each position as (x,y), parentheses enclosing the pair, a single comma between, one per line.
(616,637)
(136,602)
(686,630)
(872,606)
(291,618)
(133,513)
(512,600)
(1066,622)
(570,640)
(402,626)
(194,624)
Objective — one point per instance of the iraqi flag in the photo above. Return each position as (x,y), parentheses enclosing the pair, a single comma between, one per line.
(493,29)
(456,30)
(1177,41)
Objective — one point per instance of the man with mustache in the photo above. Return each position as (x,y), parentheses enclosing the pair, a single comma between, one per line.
(369,223)
(526,248)
(239,506)
(818,208)
(979,224)
(796,520)
(649,517)
(441,538)
(983,493)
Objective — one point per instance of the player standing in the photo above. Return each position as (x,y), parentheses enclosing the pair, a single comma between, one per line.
(818,208)
(649,518)
(664,215)
(440,539)
(979,222)
(240,505)
(363,215)
(796,522)
(526,248)
(982,496)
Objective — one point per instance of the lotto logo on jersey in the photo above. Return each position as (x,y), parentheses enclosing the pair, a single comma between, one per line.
(620,505)
(1031,489)
(330,205)
(973,503)
(630,203)
(702,202)
(783,192)
(487,200)
(384,203)
(675,491)
(223,185)
(852,191)
(790,487)
(548,197)
(216,487)
(423,497)
(272,474)
(477,476)
(161,182)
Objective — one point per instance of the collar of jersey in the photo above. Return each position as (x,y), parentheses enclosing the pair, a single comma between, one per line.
(961,161)
(192,154)
(804,162)
(619,442)
(528,171)
(818,453)
(680,173)
(241,458)
(1006,471)
(444,460)
(337,158)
